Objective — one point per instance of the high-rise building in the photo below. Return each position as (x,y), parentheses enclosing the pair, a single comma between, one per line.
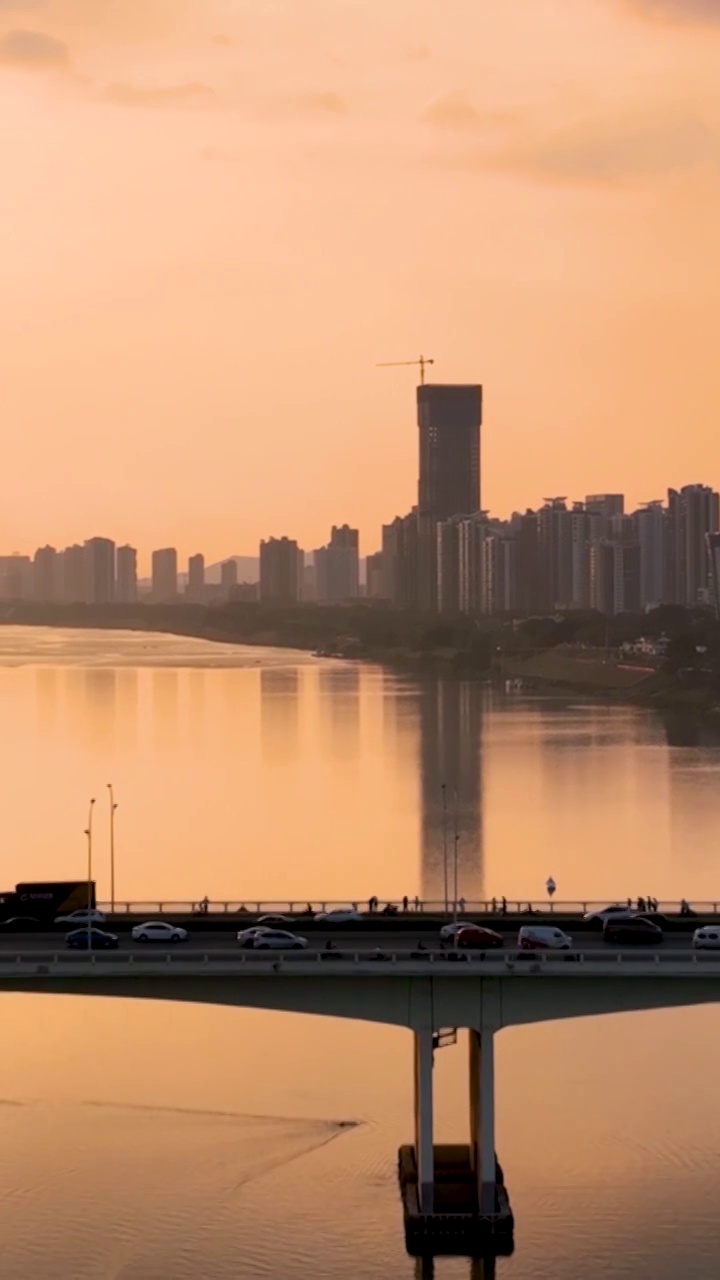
(605,504)
(281,571)
(195,587)
(614,577)
(713,546)
(651,534)
(16,577)
(449,419)
(337,567)
(45,574)
(126,588)
(472,531)
(374,583)
(529,581)
(228,576)
(73,583)
(99,561)
(400,561)
(498,592)
(693,512)
(164,574)
(555,554)
(447,560)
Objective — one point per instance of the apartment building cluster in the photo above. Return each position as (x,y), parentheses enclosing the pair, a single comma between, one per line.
(99,572)
(589,554)
(328,575)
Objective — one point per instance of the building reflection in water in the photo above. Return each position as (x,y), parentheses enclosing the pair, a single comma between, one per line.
(197,710)
(126,719)
(100,708)
(165,706)
(340,708)
(46,700)
(450,726)
(279,714)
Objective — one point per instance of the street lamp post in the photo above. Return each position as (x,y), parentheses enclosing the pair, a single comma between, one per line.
(89,834)
(113,807)
(456,841)
(445,848)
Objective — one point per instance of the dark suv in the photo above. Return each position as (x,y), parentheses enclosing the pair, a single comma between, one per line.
(633,932)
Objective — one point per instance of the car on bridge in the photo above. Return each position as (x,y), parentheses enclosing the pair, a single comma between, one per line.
(538,937)
(246,937)
(340,915)
(475,937)
(614,912)
(158,931)
(277,940)
(92,939)
(449,931)
(632,932)
(275,920)
(82,916)
(707,938)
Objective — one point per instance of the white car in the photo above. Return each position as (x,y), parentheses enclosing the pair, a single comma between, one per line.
(707,938)
(278,940)
(339,916)
(158,931)
(615,912)
(246,937)
(533,937)
(82,916)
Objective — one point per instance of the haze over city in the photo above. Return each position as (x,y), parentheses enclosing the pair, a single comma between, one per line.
(219,217)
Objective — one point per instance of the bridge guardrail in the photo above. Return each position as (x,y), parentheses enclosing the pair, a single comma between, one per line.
(274,962)
(416,907)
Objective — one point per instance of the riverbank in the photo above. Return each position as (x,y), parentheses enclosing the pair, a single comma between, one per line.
(363,632)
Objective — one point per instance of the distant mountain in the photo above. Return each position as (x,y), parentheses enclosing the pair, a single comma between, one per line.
(248,571)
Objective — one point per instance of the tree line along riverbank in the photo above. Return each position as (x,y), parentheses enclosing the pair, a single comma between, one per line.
(580,650)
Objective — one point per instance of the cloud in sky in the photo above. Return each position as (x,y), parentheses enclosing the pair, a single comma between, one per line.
(687,11)
(129,95)
(21,48)
(322,104)
(456,111)
(611,152)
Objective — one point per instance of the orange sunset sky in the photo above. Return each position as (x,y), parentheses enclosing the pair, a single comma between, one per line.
(216,216)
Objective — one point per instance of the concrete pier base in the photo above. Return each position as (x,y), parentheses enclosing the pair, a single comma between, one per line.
(456,1223)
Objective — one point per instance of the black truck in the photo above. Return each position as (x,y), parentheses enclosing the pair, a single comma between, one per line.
(43,900)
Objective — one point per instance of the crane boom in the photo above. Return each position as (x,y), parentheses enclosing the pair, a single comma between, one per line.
(396,364)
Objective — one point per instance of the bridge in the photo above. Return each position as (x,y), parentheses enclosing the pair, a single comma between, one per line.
(384,977)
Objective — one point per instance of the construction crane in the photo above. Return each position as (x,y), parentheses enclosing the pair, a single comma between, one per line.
(396,364)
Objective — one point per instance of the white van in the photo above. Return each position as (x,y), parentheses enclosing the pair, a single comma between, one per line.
(533,937)
(708,937)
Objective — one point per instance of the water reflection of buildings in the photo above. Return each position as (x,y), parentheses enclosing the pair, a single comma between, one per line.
(165,693)
(340,709)
(279,713)
(450,726)
(100,708)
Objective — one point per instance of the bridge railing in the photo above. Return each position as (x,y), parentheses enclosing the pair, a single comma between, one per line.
(403,907)
(349,961)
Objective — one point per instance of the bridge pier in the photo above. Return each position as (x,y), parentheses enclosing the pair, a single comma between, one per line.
(424,1149)
(481,1075)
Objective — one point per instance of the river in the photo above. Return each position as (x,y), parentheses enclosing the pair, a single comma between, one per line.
(164,1142)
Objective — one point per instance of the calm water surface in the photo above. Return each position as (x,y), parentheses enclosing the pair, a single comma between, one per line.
(161,1141)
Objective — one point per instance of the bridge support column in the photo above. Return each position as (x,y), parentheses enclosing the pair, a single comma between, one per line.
(482,1116)
(424,1154)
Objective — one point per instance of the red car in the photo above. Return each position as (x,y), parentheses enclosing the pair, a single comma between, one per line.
(477,938)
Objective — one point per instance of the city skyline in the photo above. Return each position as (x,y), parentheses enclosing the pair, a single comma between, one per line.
(244,212)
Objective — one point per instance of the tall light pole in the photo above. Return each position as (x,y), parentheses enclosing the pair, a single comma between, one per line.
(88,833)
(456,841)
(113,807)
(445,849)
